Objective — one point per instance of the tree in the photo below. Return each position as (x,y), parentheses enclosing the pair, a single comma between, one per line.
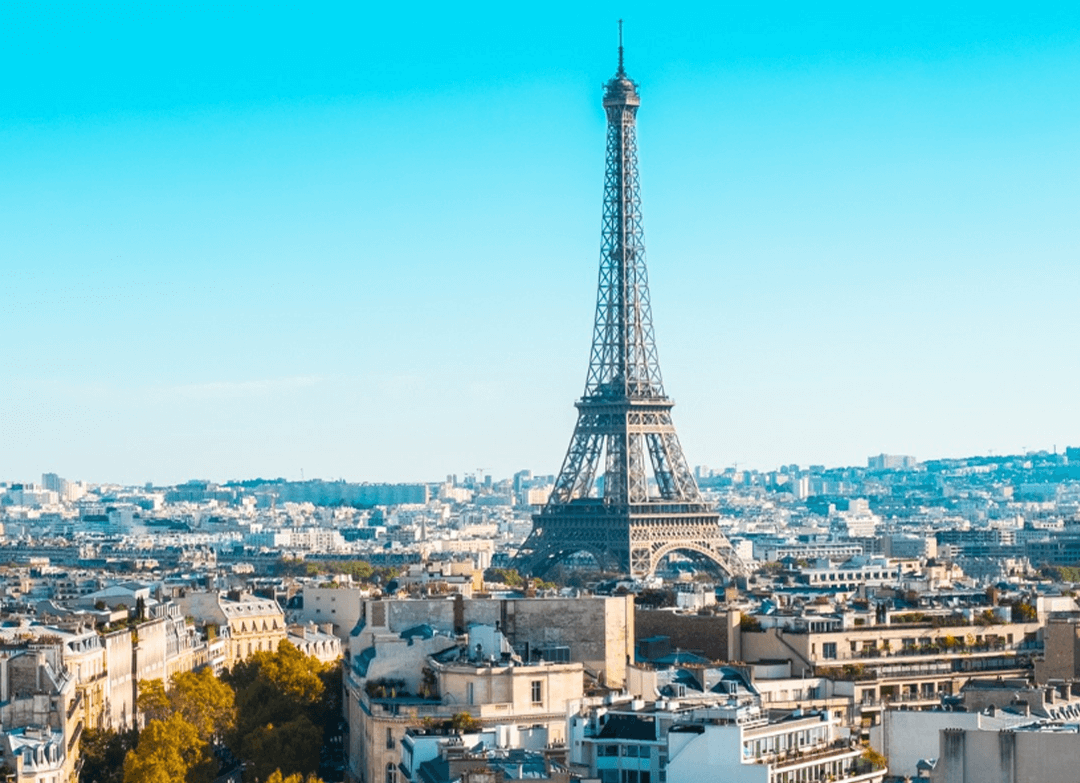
(1024,613)
(200,697)
(293,747)
(654,598)
(153,702)
(872,759)
(167,752)
(463,721)
(273,687)
(102,752)
(206,703)
(275,777)
(507,576)
(287,704)
(749,623)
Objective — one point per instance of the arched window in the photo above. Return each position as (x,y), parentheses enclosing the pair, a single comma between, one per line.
(391,773)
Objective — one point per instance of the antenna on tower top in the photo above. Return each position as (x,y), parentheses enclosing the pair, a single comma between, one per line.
(621,71)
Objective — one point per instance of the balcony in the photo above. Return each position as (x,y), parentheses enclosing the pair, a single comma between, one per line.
(920,699)
(807,754)
(943,666)
(410,708)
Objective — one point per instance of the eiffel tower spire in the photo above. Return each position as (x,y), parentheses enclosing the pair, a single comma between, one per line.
(649,503)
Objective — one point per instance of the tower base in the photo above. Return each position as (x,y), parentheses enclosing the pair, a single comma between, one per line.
(628,539)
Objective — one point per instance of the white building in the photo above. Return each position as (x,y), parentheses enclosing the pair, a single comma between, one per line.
(750,748)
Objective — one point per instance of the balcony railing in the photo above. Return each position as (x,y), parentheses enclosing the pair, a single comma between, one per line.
(410,708)
(788,758)
(956,664)
(901,698)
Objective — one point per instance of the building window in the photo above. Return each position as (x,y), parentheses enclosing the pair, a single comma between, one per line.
(537,691)
(828,650)
(389,738)
(391,773)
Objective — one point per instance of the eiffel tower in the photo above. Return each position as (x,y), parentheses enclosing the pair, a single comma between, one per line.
(624,417)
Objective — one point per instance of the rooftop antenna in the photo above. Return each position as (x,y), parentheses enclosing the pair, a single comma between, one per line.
(621,71)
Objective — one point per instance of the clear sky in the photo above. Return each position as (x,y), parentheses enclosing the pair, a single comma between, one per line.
(359,240)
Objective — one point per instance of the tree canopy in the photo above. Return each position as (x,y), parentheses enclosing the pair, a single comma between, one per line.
(275,711)
(102,752)
(168,751)
(285,710)
(206,703)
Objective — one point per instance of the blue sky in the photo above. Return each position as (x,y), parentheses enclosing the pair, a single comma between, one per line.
(243,239)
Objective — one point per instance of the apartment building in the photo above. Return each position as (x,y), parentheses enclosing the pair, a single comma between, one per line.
(422,678)
(730,738)
(915,663)
(253,624)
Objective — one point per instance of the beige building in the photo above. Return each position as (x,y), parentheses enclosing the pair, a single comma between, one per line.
(912,664)
(319,643)
(40,714)
(422,678)
(249,624)
(341,606)
(119,710)
(1036,753)
(596,631)
(83,658)
(1061,659)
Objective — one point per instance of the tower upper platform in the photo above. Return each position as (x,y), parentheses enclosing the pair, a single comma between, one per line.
(621,90)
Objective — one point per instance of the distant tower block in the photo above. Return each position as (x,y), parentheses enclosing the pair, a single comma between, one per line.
(649,504)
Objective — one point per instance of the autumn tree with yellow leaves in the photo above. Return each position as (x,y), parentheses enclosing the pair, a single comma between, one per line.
(274,711)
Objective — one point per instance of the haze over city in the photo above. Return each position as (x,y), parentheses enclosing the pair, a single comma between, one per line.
(363,243)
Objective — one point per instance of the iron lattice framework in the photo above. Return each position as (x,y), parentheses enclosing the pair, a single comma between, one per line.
(624,418)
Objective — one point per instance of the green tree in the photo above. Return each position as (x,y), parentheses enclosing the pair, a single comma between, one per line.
(167,752)
(507,576)
(288,704)
(102,752)
(291,748)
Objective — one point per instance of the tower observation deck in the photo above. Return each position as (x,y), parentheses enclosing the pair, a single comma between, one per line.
(625,493)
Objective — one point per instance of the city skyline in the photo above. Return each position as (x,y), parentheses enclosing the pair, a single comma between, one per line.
(263,251)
